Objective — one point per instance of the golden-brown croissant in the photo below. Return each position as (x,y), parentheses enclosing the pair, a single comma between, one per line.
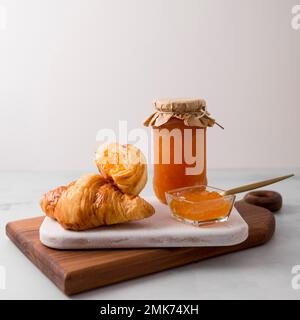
(125,165)
(90,202)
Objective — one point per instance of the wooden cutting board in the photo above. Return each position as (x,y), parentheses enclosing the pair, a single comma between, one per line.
(75,271)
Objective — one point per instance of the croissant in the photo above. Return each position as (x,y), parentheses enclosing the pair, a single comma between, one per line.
(90,202)
(125,165)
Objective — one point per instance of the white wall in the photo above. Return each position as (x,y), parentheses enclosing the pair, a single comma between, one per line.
(71,67)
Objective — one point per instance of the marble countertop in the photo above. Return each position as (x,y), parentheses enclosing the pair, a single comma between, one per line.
(259,273)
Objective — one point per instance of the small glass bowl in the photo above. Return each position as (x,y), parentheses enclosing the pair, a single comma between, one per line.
(199,211)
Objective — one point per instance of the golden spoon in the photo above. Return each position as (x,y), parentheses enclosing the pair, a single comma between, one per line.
(255,185)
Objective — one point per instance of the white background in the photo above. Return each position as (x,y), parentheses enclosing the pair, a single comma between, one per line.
(71,67)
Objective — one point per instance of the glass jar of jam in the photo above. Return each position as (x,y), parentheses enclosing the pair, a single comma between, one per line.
(179,142)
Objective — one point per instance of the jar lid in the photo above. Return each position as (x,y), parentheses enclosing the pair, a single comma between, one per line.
(192,111)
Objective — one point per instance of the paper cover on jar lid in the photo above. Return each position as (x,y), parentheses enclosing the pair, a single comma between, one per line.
(192,111)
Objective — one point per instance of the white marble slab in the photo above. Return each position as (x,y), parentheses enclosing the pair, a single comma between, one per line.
(160,230)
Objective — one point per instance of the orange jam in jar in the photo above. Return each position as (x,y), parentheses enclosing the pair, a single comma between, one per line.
(199,205)
(179,133)
(173,175)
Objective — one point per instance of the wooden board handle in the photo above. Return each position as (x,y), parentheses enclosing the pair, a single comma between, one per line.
(270,200)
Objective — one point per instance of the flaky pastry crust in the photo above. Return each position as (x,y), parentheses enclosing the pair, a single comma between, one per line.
(125,165)
(90,202)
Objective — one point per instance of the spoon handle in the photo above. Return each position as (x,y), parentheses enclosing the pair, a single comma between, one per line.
(255,185)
